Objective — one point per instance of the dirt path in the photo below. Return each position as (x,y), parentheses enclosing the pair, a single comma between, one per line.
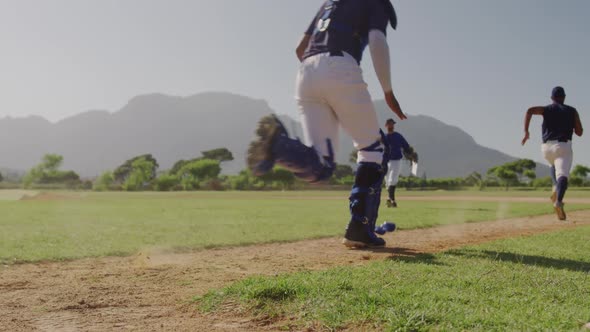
(572,200)
(151,291)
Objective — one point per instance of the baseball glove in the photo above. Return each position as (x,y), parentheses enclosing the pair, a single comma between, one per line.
(411,155)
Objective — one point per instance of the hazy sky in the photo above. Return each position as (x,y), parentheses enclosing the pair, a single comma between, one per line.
(471,63)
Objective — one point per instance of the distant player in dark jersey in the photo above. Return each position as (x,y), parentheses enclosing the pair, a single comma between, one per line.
(398,146)
(560,122)
(331,93)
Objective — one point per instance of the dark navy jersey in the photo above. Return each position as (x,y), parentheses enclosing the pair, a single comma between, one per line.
(344,25)
(396,143)
(558,122)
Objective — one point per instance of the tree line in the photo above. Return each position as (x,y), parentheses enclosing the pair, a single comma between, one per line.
(203,172)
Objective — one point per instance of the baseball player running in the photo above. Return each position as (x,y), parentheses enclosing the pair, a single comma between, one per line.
(560,121)
(330,93)
(398,147)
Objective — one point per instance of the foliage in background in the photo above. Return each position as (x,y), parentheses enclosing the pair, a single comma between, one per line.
(142,172)
(123,172)
(167,182)
(104,182)
(220,154)
(579,176)
(47,172)
(192,174)
(514,172)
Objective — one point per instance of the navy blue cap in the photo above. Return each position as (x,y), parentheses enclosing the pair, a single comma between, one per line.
(558,92)
(390,120)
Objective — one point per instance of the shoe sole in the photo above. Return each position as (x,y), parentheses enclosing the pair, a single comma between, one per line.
(358,245)
(560,212)
(260,149)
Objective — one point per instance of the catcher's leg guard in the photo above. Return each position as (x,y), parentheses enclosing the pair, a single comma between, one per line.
(364,205)
(275,146)
(391,192)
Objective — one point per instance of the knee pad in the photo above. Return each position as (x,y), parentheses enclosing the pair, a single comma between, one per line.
(373,153)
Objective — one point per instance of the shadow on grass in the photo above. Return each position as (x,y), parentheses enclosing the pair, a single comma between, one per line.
(406,255)
(532,260)
(458,209)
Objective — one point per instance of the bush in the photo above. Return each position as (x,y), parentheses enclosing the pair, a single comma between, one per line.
(104,182)
(544,182)
(140,176)
(86,185)
(212,184)
(166,182)
(576,181)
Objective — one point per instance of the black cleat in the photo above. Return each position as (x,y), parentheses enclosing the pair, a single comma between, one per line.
(358,235)
(559,210)
(391,203)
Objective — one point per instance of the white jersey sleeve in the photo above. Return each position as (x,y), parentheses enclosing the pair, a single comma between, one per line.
(380,54)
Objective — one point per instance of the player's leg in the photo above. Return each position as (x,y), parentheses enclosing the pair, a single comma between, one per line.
(319,125)
(563,165)
(549,153)
(389,183)
(347,94)
(313,162)
(553,183)
(396,168)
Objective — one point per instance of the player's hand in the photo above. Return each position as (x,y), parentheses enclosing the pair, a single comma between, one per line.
(526,137)
(394,105)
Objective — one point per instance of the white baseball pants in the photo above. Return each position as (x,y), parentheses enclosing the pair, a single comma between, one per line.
(393,171)
(330,93)
(560,155)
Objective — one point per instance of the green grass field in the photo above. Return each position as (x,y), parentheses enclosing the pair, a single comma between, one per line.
(67,225)
(540,283)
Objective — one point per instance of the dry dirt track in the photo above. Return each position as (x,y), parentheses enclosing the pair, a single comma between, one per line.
(151,291)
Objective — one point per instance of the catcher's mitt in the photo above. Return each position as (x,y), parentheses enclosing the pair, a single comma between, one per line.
(411,155)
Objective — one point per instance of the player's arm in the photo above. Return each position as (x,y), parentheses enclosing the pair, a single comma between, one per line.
(380,54)
(304,42)
(405,145)
(300,50)
(408,151)
(578,129)
(536,110)
(379,19)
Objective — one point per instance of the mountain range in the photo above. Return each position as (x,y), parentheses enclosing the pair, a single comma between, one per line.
(173,128)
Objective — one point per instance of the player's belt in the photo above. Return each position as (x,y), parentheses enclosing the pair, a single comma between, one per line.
(560,140)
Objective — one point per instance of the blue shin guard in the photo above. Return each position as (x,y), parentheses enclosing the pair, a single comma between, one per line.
(365,198)
(562,184)
(274,146)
